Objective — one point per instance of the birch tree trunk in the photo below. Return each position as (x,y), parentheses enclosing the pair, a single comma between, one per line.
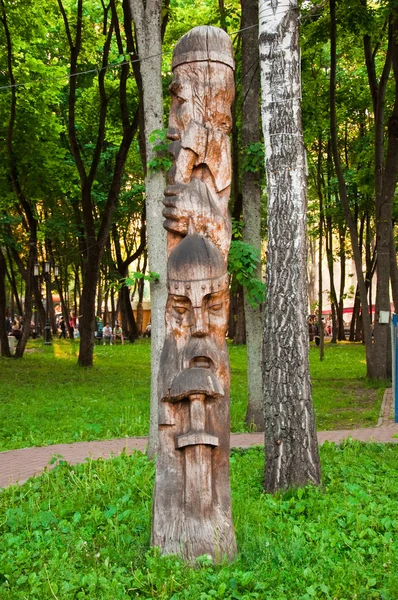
(251,193)
(147,20)
(290,437)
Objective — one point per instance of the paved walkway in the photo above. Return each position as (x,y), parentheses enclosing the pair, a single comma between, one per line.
(16,466)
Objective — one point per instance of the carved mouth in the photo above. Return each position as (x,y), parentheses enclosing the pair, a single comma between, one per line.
(202,362)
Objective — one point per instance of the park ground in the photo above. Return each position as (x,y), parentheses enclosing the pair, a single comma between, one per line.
(83,531)
(47,399)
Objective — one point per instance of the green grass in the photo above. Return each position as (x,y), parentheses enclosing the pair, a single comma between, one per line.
(83,532)
(343,397)
(47,399)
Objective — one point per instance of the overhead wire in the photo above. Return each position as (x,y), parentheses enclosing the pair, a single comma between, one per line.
(119,64)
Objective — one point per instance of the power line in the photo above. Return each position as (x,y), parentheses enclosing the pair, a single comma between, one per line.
(119,64)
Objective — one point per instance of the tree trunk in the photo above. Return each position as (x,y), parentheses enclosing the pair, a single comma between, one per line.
(11,279)
(321,330)
(5,349)
(386,171)
(87,314)
(147,20)
(27,316)
(340,310)
(240,329)
(251,200)
(355,315)
(394,269)
(290,437)
(344,196)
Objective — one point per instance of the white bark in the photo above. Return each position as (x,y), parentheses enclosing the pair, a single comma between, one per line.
(290,438)
(147,20)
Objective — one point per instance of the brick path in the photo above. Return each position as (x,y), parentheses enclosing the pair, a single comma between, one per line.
(16,466)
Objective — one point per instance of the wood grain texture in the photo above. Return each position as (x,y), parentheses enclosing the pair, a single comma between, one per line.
(192,500)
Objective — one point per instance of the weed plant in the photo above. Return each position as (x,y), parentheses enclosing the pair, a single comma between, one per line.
(83,532)
(46,399)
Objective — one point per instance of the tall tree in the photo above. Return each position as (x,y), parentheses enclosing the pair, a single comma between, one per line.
(96,223)
(148,22)
(251,201)
(386,172)
(290,438)
(344,197)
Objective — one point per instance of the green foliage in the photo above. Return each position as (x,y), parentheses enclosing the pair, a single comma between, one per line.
(162,160)
(243,259)
(83,532)
(253,160)
(152,276)
(118,283)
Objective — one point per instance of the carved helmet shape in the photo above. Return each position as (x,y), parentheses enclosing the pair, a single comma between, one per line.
(204,43)
(195,268)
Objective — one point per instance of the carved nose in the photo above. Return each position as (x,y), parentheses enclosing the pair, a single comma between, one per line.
(173,134)
(199,326)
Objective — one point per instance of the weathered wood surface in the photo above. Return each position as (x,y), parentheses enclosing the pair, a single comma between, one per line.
(192,500)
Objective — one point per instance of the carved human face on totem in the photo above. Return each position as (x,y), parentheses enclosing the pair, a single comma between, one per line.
(200,121)
(198,315)
(196,311)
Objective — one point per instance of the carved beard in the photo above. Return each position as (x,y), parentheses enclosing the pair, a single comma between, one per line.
(209,351)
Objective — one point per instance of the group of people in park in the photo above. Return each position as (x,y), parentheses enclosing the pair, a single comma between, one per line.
(108,335)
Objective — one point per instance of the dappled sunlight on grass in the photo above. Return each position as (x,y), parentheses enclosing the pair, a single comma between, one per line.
(47,398)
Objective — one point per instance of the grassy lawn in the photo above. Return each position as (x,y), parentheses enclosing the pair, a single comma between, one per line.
(47,399)
(83,532)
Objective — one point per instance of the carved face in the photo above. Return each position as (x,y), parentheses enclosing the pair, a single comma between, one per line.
(197,315)
(200,118)
(201,92)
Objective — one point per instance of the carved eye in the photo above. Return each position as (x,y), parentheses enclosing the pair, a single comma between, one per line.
(215,307)
(181,310)
(180,100)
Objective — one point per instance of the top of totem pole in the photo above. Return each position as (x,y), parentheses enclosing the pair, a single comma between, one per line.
(204,43)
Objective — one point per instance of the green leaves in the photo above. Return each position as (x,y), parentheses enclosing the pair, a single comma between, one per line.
(86,530)
(162,160)
(242,264)
(253,158)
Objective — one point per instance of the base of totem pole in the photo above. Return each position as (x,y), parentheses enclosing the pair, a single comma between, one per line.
(190,539)
(188,520)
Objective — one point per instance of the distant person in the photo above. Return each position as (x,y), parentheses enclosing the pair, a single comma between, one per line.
(71,327)
(8,325)
(100,328)
(317,336)
(16,330)
(62,326)
(310,329)
(107,334)
(118,333)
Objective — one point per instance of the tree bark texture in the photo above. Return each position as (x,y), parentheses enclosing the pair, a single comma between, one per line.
(251,199)
(192,498)
(290,438)
(5,349)
(147,21)
(356,250)
(384,202)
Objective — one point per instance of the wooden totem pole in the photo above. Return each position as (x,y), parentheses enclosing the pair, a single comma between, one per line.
(192,499)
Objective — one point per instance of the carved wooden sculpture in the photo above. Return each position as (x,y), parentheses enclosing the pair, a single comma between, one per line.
(192,501)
